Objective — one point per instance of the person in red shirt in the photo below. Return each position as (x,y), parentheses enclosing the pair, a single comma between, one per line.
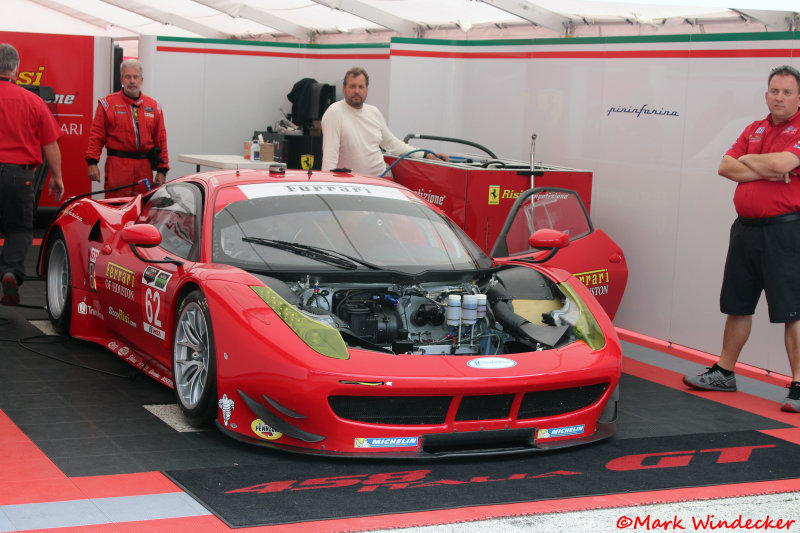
(27,129)
(764,248)
(131,127)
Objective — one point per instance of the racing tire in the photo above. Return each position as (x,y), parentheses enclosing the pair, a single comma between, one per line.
(194,368)
(58,286)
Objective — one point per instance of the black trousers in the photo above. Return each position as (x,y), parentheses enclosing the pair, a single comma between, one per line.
(16,217)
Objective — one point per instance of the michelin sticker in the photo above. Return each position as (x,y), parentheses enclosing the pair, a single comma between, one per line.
(491,363)
(387,442)
(560,432)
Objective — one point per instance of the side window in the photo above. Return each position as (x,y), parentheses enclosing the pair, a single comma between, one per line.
(558,209)
(175,210)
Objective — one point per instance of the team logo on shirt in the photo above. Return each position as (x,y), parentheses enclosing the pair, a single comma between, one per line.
(756,136)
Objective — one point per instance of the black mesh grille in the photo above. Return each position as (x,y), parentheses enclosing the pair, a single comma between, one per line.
(404,410)
(555,402)
(485,407)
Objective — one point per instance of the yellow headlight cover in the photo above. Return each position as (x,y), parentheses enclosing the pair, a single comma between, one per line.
(321,338)
(586,328)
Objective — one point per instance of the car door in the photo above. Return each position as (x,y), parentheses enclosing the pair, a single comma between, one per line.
(591,256)
(137,285)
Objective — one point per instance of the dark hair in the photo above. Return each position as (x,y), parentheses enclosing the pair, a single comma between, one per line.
(785,70)
(356,71)
(9,59)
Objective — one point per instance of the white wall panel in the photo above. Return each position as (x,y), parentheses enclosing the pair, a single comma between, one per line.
(638,180)
(656,189)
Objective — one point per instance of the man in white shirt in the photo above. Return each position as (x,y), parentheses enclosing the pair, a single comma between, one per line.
(353,132)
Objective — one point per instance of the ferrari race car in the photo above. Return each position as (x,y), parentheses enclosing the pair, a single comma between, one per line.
(338,314)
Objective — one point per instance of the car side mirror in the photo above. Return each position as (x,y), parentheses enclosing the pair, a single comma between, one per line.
(548,238)
(142,235)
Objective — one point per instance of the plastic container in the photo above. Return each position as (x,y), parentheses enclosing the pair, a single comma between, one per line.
(255,150)
(469,309)
(453,312)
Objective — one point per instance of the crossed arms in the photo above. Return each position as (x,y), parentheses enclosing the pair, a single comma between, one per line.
(775,166)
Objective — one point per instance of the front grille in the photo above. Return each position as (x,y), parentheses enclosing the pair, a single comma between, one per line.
(485,407)
(432,410)
(556,402)
(402,410)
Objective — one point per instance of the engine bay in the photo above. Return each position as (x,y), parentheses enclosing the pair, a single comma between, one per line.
(508,311)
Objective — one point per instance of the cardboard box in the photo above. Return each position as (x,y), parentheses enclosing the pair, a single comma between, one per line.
(267,151)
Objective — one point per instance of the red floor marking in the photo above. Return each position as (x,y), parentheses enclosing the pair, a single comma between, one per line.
(787,434)
(27,475)
(739,400)
(118,485)
(36,242)
(696,356)
(22,462)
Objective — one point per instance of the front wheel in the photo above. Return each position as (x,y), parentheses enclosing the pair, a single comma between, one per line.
(59,284)
(194,361)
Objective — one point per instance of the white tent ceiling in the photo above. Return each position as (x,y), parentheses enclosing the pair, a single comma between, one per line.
(328,21)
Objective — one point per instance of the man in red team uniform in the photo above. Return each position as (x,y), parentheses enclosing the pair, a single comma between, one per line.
(764,249)
(27,129)
(131,127)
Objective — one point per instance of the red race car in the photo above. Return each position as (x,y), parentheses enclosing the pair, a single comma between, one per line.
(338,314)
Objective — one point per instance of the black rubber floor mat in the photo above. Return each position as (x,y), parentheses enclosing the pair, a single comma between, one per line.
(304,489)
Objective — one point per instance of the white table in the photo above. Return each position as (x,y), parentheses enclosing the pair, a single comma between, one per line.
(224,161)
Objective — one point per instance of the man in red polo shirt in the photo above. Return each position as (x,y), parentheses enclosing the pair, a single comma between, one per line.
(27,128)
(131,127)
(764,248)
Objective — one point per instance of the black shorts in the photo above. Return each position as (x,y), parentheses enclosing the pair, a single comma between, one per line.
(763,257)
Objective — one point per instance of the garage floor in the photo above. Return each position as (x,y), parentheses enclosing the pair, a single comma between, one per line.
(84,439)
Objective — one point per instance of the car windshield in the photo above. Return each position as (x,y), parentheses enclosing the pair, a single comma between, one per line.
(323,226)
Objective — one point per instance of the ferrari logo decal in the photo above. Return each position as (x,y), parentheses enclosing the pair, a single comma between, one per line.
(307,161)
(494,195)
(595,280)
(120,274)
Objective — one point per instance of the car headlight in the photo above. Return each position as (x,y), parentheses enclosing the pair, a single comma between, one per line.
(323,339)
(577,314)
